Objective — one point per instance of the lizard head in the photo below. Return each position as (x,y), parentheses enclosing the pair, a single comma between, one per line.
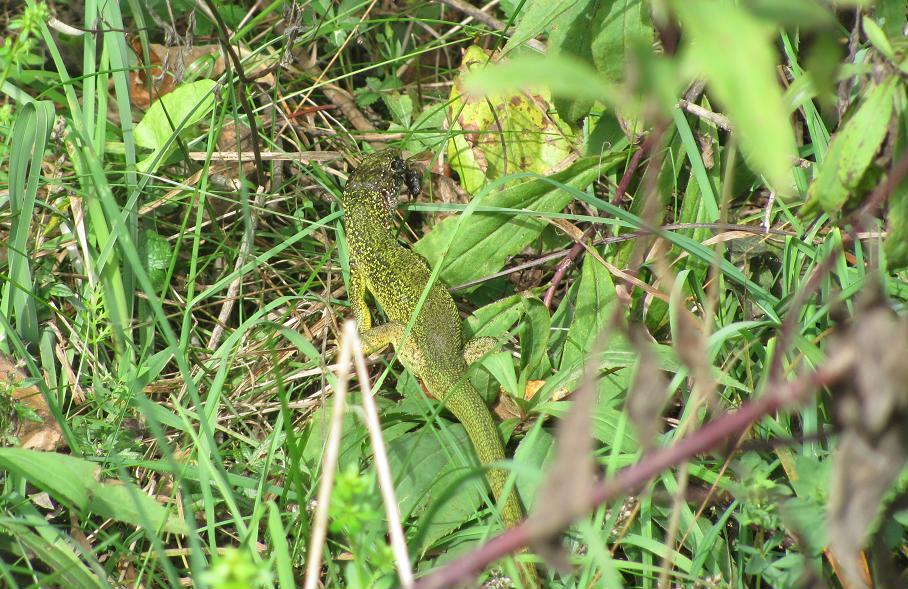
(384,172)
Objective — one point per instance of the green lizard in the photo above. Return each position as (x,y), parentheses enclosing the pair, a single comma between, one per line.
(434,350)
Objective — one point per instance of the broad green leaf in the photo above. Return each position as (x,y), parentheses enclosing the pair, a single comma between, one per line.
(177,110)
(877,37)
(896,242)
(502,132)
(351,448)
(492,237)
(892,17)
(495,318)
(401,107)
(805,14)
(851,151)
(183,107)
(533,453)
(608,423)
(624,25)
(572,34)
(601,33)
(501,366)
(594,307)
(534,339)
(510,7)
(128,503)
(561,74)
(810,480)
(734,51)
(424,472)
(74,481)
(587,312)
(66,478)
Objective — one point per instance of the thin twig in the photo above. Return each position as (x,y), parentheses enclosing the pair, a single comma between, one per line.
(474,13)
(385,480)
(715,118)
(487,19)
(242,257)
(342,100)
(279,156)
(329,465)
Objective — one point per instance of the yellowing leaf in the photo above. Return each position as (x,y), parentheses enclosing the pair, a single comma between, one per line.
(503,131)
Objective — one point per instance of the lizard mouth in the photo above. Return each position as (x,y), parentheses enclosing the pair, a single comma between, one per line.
(401,172)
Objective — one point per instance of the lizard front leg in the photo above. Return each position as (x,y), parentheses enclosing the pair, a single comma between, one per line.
(373,338)
(381,336)
(356,293)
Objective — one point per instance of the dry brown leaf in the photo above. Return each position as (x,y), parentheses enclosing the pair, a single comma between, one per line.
(533,387)
(873,448)
(238,140)
(565,493)
(42,500)
(507,408)
(646,397)
(43,435)
(169,65)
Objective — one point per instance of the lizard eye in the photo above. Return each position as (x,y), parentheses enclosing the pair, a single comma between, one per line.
(398,167)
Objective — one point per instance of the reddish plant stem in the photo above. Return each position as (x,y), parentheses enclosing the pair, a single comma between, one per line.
(627,481)
(577,248)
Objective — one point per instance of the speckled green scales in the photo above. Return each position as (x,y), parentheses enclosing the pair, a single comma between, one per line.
(434,350)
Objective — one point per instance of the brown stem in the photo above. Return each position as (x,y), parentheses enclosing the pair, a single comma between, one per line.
(475,13)
(577,248)
(488,20)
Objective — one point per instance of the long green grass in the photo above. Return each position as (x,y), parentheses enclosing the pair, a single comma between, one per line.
(170,320)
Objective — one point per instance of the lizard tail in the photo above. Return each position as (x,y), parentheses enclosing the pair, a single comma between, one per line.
(464,401)
(468,407)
